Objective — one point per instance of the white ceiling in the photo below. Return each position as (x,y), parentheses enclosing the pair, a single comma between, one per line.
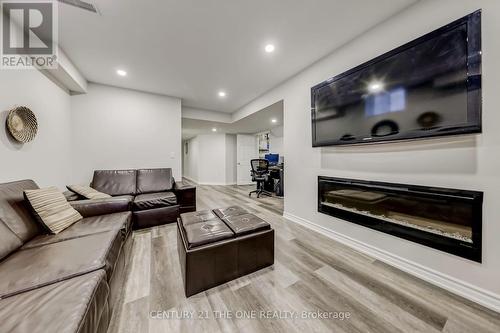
(192,48)
(259,121)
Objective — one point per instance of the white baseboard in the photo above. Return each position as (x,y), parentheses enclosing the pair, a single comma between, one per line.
(207,183)
(215,183)
(456,286)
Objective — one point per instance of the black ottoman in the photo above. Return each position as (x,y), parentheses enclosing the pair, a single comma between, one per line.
(221,245)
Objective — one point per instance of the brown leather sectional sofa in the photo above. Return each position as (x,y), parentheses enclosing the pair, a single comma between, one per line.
(69,282)
(153,195)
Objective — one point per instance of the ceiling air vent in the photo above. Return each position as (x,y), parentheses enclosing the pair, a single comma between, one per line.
(80,4)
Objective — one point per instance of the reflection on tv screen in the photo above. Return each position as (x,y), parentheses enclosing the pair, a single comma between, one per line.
(385,102)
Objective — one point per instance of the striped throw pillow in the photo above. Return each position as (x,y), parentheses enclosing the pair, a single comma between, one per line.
(52,209)
(87,192)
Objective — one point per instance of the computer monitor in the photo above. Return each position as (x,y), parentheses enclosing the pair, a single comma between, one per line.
(272,158)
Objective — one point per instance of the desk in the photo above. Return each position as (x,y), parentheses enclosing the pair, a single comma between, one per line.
(275,181)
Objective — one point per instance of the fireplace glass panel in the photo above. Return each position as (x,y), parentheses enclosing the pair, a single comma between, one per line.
(448,214)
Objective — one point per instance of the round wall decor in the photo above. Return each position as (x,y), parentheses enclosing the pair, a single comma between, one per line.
(22,124)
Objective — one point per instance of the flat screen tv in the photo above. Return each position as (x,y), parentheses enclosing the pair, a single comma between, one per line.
(428,87)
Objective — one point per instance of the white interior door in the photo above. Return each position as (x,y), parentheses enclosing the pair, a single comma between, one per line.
(246,149)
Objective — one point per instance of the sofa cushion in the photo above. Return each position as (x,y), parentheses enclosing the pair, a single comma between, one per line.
(74,305)
(87,226)
(206,232)
(154,180)
(36,267)
(154,217)
(245,224)
(9,242)
(87,192)
(72,196)
(15,211)
(115,182)
(197,217)
(130,198)
(154,200)
(51,209)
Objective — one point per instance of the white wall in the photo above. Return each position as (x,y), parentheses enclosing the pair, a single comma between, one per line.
(276,140)
(117,128)
(46,159)
(230,159)
(217,116)
(471,162)
(211,159)
(191,159)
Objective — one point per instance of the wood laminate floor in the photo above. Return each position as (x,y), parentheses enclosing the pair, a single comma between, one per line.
(312,276)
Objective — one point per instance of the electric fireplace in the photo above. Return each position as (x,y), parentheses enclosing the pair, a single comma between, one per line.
(443,218)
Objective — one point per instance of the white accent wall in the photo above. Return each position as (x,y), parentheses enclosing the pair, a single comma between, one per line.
(114,128)
(468,162)
(47,158)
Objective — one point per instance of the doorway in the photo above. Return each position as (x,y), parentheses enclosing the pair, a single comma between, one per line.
(246,149)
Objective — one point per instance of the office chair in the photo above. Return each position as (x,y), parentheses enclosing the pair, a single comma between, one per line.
(260,174)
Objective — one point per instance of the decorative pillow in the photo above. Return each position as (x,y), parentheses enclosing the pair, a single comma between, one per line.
(52,209)
(87,192)
(72,196)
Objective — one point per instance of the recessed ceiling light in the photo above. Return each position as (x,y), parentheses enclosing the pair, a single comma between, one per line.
(222,94)
(274,120)
(214,129)
(121,72)
(269,48)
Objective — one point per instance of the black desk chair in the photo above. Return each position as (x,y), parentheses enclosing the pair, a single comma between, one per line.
(260,174)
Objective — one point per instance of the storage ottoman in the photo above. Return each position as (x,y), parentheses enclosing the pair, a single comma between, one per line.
(221,245)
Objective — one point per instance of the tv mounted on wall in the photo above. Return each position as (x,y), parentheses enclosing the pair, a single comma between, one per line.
(428,87)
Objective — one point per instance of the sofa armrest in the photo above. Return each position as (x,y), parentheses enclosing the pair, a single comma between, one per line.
(94,207)
(186,197)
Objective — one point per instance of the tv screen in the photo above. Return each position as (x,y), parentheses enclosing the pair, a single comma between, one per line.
(428,87)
